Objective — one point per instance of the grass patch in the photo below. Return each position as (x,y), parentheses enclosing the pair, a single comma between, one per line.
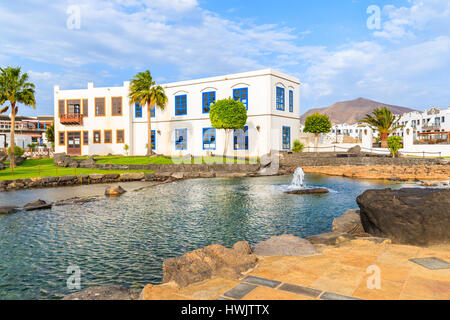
(162,160)
(30,169)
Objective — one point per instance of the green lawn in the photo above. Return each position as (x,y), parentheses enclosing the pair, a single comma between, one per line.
(163,160)
(30,169)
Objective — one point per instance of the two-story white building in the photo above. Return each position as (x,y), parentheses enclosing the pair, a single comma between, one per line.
(100,121)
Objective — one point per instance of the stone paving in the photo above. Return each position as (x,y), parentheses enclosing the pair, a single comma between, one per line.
(337,273)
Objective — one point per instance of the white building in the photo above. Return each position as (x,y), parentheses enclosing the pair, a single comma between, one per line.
(352,130)
(101,121)
(423,123)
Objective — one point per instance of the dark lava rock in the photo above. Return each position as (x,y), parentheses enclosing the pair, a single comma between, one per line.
(37,205)
(349,222)
(104,293)
(308,191)
(8,209)
(355,149)
(114,191)
(415,216)
(284,245)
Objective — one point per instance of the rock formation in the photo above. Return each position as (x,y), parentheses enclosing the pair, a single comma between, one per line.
(114,191)
(414,216)
(212,261)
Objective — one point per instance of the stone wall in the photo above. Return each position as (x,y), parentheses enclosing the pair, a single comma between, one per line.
(312,159)
(95,178)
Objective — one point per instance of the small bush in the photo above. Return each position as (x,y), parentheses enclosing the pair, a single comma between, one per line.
(17,151)
(394,144)
(298,146)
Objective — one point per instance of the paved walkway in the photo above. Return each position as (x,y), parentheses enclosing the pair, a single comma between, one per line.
(336,273)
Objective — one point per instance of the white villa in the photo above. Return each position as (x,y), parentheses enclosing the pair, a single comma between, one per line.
(101,121)
(425,123)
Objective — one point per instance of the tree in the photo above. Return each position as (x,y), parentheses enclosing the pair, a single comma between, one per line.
(394,144)
(384,121)
(50,134)
(145,91)
(298,146)
(228,114)
(15,88)
(317,123)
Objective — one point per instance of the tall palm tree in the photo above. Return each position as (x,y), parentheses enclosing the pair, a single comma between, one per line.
(145,91)
(15,88)
(384,121)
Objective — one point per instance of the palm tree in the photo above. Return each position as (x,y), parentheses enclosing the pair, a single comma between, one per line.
(143,90)
(384,121)
(15,88)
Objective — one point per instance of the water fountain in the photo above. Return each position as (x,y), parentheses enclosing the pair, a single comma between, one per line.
(298,187)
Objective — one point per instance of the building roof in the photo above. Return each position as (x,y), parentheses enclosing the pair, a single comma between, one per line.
(233,76)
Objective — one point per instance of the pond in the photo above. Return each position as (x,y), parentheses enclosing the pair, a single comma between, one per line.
(123,241)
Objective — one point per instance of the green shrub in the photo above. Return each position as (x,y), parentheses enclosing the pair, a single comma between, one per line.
(394,144)
(17,151)
(298,146)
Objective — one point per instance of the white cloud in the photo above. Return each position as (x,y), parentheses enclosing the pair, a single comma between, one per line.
(404,22)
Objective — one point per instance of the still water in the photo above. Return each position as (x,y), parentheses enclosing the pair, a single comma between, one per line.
(123,241)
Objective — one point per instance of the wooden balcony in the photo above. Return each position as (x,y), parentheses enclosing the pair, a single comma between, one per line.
(71,119)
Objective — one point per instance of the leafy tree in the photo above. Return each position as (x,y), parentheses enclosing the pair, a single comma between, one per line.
(317,123)
(228,114)
(145,91)
(394,144)
(126,148)
(18,152)
(384,121)
(298,146)
(50,134)
(16,89)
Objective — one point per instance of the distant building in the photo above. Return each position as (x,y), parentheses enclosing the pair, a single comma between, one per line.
(28,130)
(425,123)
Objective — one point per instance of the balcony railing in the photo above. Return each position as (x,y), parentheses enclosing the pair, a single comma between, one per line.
(431,126)
(71,119)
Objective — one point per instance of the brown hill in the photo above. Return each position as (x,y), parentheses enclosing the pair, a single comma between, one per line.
(352,111)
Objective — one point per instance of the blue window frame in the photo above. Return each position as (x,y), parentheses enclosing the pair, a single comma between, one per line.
(241,95)
(137,110)
(240,141)
(153,140)
(181,105)
(181,139)
(152,111)
(286,138)
(280,98)
(209,98)
(291,101)
(209,139)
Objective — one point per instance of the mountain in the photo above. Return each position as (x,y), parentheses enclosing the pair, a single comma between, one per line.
(352,111)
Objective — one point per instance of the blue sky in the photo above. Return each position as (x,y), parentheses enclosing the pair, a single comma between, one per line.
(326,44)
